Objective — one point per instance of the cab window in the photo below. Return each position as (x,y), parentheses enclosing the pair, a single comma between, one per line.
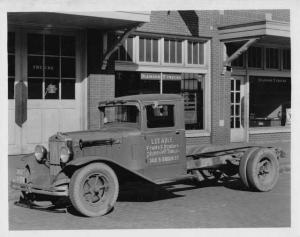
(160,116)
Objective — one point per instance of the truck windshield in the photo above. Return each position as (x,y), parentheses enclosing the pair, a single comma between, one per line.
(121,114)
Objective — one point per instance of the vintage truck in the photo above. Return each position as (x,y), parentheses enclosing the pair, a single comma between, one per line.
(139,136)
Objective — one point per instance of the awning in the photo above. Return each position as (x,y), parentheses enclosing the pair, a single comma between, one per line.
(277,32)
(262,32)
(95,20)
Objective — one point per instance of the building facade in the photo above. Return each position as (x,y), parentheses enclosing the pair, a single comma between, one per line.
(231,67)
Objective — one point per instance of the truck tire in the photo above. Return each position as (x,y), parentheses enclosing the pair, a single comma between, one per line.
(94,189)
(243,165)
(263,170)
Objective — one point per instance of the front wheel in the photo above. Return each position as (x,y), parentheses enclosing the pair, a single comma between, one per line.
(94,189)
(263,170)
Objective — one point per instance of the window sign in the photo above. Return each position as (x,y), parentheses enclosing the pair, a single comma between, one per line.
(157,76)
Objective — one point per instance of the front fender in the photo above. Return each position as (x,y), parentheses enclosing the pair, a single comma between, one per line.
(79,162)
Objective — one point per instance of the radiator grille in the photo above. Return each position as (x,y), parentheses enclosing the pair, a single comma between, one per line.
(54,148)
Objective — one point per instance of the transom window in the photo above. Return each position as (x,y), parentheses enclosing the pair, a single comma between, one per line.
(172,51)
(51,66)
(255,57)
(148,48)
(195,52)
(286,58)
(272,58)
(125,51)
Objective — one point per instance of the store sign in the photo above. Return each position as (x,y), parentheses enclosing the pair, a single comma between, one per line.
(272,80)
(157,76)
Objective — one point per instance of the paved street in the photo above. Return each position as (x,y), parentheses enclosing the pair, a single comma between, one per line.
(182,206)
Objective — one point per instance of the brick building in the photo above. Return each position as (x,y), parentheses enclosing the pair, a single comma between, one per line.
(232,67)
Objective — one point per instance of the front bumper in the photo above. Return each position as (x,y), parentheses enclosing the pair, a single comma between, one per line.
(21,182)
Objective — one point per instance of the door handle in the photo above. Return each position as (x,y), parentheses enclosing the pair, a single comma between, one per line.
(177,132)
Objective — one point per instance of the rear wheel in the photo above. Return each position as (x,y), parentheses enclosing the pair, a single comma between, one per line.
(94,189)
(243,165)
(263,170)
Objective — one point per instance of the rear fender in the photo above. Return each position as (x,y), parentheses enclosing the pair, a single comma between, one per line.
(73,165)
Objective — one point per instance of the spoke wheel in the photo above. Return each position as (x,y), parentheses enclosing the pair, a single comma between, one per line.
(263,170)
(94,189)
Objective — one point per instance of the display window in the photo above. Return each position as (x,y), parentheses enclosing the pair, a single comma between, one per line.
(189,85)
(51,67)
(270,102)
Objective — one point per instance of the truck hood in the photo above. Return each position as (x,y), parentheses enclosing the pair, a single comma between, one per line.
(103,134)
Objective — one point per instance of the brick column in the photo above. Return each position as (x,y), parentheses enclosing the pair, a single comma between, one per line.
(100,87)
(220,94)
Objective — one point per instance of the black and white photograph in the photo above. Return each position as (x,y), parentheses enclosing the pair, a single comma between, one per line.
(153,117)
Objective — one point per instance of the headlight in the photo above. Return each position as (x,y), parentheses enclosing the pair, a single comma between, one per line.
(65,154)
(40,153)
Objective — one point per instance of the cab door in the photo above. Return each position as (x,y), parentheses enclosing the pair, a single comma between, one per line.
(164,142)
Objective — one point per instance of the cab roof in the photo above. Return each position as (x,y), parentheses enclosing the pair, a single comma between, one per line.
(144,97)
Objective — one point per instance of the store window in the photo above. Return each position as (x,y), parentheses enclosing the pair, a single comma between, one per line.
(195,52)
(51,67)
(148,50)
(191,86)
(125,51)
(11,64)
(231,49)
(286,59)
(272,58)
(255,57)
(192,89)
(172,51)
(270,101)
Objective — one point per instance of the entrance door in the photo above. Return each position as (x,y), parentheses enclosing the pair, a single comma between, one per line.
(237,105)
(52,78)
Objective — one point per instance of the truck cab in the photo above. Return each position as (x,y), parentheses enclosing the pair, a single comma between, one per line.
(158,151)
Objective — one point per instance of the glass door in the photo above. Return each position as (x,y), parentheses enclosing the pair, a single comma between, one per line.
(237,109)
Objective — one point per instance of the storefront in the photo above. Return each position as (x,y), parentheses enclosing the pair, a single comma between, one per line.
(47,72)
(147,64)
(260,80)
